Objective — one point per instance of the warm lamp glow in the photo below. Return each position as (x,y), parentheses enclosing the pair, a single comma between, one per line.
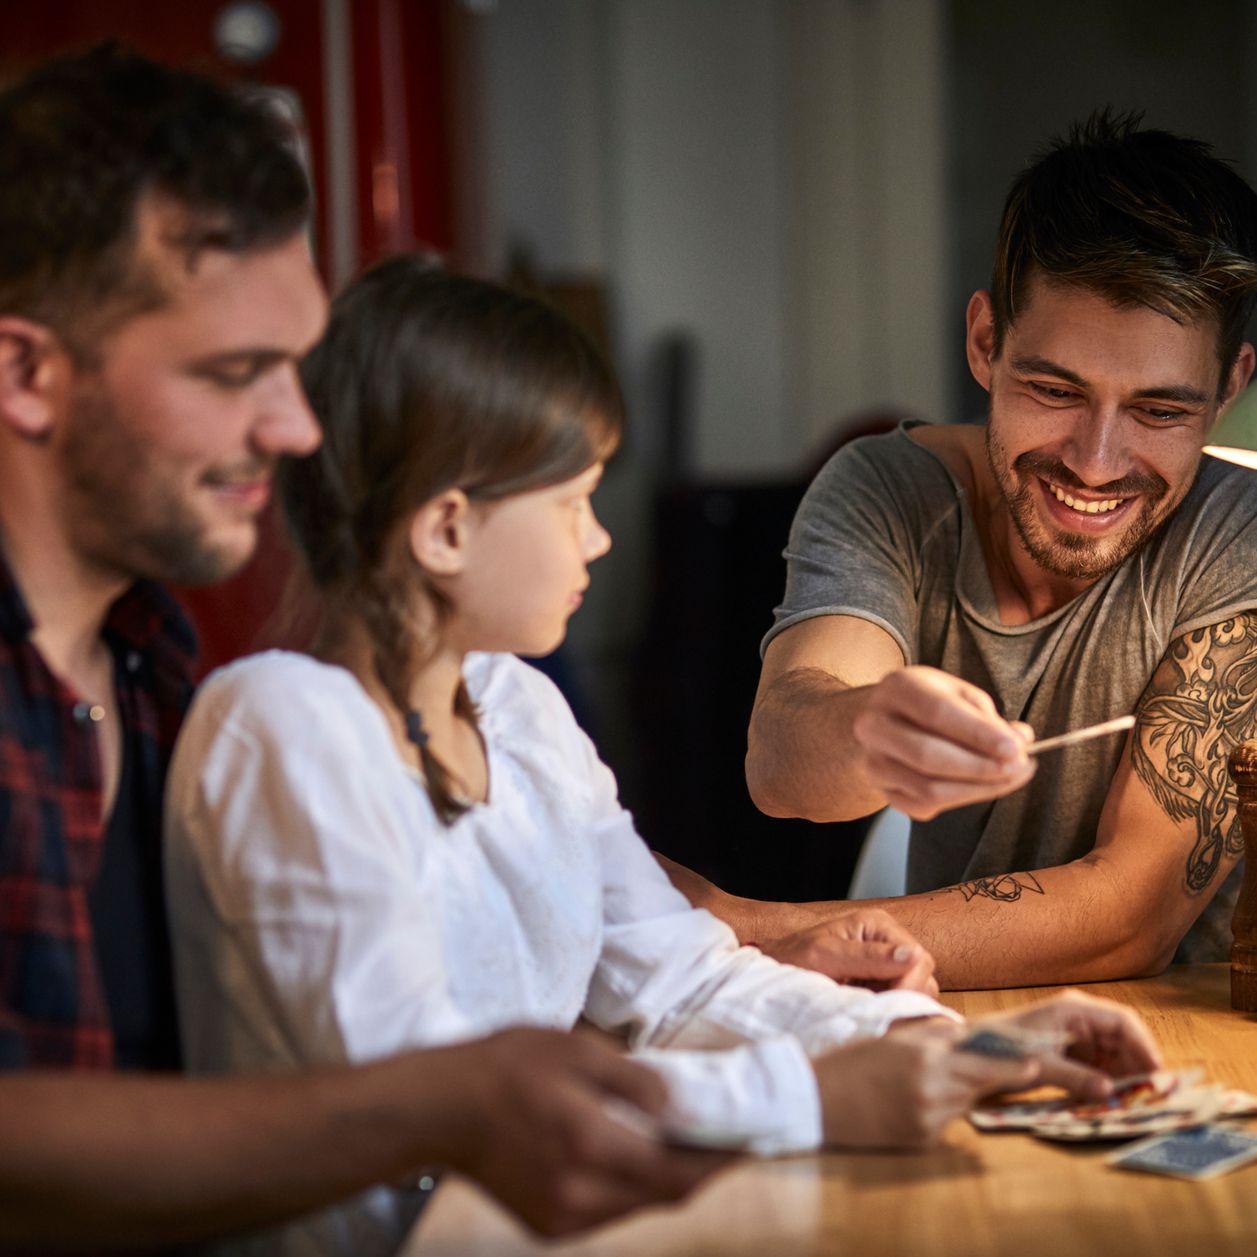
(1234,436)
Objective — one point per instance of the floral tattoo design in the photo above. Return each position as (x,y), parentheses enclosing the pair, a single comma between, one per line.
(1200,704)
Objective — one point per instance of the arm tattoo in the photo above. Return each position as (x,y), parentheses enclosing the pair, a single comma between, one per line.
(1200,704)
(1005,889)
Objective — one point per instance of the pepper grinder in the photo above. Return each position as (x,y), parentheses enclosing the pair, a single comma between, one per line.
(1242,766)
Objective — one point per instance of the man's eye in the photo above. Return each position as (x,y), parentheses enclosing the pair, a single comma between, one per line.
(1163,416)
(1052,392)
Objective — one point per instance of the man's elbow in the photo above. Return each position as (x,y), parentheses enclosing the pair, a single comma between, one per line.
(765,788)
(782,795)
(1142,953)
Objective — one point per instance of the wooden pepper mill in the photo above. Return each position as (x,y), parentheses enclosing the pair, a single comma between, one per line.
(1242,766)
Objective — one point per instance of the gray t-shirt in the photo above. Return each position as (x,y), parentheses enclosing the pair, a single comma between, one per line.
(887,534)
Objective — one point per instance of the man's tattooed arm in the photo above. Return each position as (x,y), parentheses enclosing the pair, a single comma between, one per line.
(1200,704)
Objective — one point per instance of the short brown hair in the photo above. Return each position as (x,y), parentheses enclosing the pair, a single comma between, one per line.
(1142,217)
(84,138)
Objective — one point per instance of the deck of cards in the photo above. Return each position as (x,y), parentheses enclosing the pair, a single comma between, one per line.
(1147,1104)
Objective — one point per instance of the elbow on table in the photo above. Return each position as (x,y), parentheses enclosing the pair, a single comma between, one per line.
(1143,953)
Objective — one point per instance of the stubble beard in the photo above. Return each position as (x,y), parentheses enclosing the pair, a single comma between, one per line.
(127,516)
(1073,556)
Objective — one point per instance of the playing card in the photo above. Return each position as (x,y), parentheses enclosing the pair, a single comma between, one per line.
(713,1138)
(679,1134)
(1143,1104)
(1237,1104)
(1200,1152)
(1021,1115)
(1012,1042)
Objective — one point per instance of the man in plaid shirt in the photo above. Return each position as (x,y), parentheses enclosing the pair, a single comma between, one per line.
(156,290)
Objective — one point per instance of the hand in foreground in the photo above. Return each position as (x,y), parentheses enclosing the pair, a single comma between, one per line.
(1106,1041)
(901,1090)
(536,1132)
(931,742)
(864,946)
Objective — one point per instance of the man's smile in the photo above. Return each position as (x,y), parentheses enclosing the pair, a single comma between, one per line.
(1087,506)
(1070,509)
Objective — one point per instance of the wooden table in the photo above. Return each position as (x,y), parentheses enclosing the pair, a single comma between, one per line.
(977,1195)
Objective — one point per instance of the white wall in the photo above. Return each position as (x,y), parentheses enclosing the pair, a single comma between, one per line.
(868,325)
(700,183)
(766,174)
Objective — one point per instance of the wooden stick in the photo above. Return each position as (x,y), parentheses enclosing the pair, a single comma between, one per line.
(1120,725)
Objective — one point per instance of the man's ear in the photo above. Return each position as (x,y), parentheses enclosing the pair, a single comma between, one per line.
(32,366)
(438,533)
(980,337)
(1237,378)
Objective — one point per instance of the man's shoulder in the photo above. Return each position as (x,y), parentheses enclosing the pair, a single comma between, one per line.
(1223,501)
(915,460)
(959,447)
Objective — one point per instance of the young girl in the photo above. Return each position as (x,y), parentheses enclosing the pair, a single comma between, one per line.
(403,837)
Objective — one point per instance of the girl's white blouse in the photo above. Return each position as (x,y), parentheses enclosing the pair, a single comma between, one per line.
(321,912)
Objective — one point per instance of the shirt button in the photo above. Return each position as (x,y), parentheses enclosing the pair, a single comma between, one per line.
(133,661)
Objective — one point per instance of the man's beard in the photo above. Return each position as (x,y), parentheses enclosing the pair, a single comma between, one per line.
(1074,556)
(128,516)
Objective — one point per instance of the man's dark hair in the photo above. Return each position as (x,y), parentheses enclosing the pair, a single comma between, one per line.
(84,138)
(1141,217)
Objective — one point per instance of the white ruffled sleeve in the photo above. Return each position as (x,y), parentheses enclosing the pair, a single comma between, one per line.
(286,844)
(674,977)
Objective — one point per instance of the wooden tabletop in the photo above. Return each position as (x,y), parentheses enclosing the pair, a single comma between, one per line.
(976,1196)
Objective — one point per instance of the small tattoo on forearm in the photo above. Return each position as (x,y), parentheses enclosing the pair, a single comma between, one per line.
(1200,704)
(1005,889)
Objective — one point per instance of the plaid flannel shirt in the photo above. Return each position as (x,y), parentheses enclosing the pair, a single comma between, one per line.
(53,1012)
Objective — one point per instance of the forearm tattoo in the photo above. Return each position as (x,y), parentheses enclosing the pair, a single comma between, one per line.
(1200,704)
(1007,888)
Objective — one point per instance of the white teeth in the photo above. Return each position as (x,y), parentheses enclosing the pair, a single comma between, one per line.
(1085,508)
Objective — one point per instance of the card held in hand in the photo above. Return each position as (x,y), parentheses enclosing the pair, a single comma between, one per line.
(1012,1042)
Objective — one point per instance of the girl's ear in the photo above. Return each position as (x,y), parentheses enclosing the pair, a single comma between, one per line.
(32,377)
(438,533)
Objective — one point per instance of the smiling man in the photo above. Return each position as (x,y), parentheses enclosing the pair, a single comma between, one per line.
(956,591)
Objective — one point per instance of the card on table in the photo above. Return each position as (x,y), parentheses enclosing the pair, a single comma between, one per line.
(1200,1152)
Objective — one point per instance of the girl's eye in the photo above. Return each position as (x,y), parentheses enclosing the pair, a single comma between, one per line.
(234,379)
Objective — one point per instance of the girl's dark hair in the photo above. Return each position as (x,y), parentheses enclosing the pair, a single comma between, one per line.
(426,381)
